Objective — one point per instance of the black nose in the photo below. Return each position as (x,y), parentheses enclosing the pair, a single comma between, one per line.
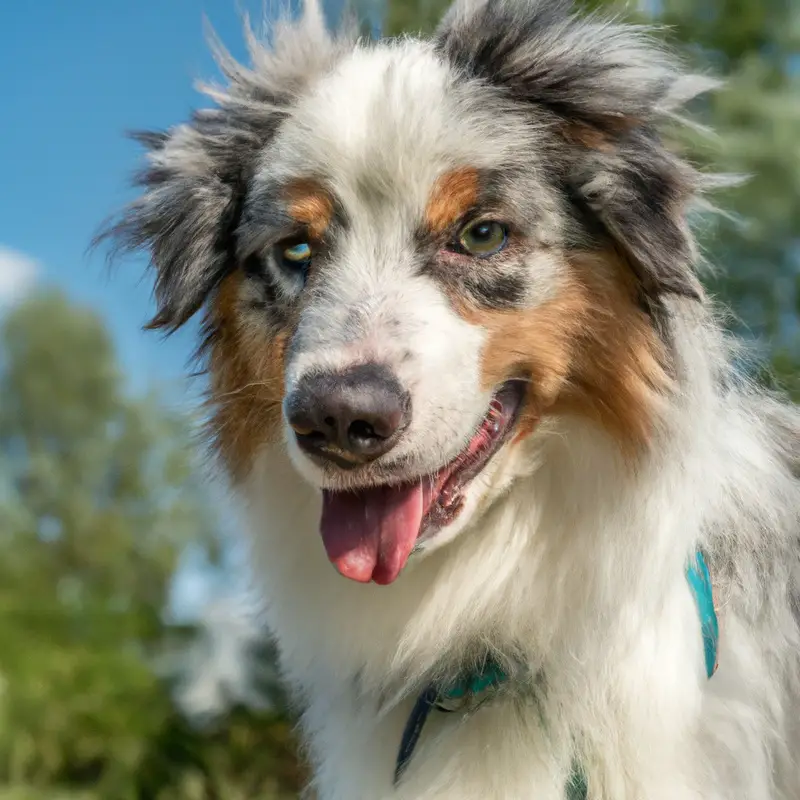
(349,417)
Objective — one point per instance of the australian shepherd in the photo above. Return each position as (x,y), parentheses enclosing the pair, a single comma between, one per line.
(524,528)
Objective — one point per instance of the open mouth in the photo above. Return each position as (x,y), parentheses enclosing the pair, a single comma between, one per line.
(369,534)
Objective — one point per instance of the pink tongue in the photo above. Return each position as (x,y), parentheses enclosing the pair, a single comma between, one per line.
(369,534)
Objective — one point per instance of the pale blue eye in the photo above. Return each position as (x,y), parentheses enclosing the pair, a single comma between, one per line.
(296,256)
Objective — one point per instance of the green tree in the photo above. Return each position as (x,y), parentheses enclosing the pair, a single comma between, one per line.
(98,503)
(413,16)
(98,498)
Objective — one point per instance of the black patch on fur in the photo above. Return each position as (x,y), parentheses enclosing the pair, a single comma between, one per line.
(189,210)
(257,273)
(498,282)
(503,290)
(574,73)
(517,45)
(640,202)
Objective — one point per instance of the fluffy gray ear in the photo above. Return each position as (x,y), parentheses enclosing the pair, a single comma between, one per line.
(603,88)
(639,193)
(197,174)
(186,215)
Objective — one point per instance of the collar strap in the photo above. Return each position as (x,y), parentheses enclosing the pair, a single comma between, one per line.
(447,699)
(699,579)
(491,676)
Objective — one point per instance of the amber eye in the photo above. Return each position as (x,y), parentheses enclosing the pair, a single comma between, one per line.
(294,257)
(484,238)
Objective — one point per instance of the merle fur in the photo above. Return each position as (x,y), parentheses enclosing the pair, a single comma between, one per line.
(630,183)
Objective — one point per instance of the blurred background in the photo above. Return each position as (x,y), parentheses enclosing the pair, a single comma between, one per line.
(131,661)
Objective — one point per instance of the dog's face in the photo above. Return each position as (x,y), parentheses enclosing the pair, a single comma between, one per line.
(409,253)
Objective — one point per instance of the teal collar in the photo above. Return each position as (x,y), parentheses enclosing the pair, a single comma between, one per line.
(450,698)
(700,583)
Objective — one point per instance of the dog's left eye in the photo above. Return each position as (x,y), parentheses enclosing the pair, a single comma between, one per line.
(295,256)
(483,238)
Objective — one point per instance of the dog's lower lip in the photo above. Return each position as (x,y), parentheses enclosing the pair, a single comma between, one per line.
(450,479)
(449,483)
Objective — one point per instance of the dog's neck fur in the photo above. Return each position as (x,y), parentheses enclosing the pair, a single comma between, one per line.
(536,592)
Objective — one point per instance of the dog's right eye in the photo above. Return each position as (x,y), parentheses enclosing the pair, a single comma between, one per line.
(294,257)
(483,238)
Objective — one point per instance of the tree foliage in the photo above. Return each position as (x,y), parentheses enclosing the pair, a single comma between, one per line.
(754,47)
(98,498)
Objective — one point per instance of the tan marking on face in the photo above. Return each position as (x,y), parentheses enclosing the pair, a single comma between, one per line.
(621,372)
(246,368)
(594,138)
(311,206)
(588,137)
(589,351)
(453,194)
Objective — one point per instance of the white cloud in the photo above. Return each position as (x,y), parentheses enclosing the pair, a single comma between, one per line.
(18,274)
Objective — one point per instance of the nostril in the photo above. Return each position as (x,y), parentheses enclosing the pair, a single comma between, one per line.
(313,438)
(361,431)
(330,422)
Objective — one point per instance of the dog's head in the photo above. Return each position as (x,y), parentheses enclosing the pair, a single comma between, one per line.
(410,252)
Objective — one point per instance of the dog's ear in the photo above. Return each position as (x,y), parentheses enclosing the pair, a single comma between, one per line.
(197,174)
(186,215)
(603,88)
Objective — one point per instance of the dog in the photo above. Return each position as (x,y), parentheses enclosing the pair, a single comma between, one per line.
(524,527)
